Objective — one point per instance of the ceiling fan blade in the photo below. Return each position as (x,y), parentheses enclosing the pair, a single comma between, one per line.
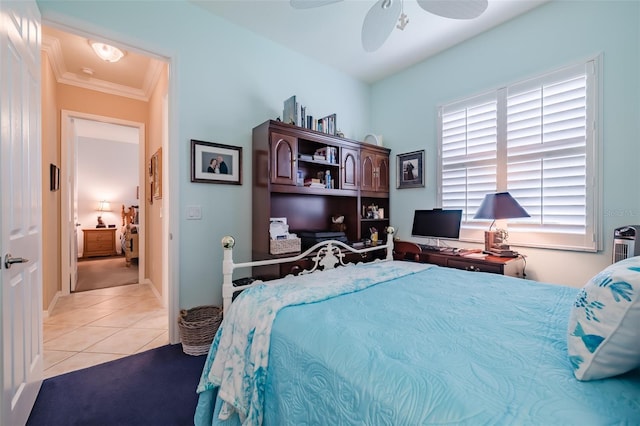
(379,23)
(455,9)
(309,4)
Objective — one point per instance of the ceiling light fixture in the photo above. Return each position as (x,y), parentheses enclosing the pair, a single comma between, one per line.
(107,52)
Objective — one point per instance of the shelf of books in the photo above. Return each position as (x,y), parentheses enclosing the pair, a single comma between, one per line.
(297,114)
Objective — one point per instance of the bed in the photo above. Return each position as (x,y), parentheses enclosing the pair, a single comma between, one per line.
(403,343)
(129,233)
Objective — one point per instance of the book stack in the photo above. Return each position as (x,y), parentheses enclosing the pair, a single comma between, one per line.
(327,124)
(330,154)
(313,183)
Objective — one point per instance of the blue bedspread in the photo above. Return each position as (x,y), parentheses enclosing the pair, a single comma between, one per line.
(440,346)
(238,359)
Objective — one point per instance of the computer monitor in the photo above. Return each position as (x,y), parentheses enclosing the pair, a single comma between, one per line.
(437,223)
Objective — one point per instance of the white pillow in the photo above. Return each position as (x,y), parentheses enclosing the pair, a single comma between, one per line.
(604,324)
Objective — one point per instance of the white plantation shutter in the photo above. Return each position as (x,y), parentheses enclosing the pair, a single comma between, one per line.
(468,154)
(535,139)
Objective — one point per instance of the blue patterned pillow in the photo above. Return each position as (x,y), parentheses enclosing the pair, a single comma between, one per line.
(604,325)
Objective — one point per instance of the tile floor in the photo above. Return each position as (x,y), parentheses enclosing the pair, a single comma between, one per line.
(97,326)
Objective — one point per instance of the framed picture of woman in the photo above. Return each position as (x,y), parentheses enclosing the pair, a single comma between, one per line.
(410,170)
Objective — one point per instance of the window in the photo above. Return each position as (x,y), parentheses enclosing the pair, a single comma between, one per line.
(536,139)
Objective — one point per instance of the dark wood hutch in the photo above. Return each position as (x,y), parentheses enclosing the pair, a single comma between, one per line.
(281,163)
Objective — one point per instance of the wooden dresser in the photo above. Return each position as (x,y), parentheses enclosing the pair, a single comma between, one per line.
(99,242)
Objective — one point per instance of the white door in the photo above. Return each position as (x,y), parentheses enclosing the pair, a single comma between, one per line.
(20,209)
(69,205)
(73,205)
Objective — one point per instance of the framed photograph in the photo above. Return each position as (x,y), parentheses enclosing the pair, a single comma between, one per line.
(410,169)
(54,177)
(216,163)
(156,174)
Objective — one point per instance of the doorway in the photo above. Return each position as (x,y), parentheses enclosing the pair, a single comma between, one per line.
(107,182)
(155,128)
(99,176)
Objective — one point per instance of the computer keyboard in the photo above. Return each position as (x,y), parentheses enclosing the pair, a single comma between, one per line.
(426,247)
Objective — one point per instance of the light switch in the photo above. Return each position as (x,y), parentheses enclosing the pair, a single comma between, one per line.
(194,213)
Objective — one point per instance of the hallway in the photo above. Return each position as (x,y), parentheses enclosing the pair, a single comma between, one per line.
(92,327)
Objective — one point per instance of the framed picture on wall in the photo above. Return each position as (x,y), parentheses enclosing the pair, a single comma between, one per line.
(54,177)
(410,169)
(215,163)
(156,175)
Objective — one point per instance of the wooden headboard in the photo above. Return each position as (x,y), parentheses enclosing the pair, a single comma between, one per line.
(128,215)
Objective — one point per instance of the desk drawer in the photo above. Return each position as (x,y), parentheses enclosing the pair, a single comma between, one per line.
(473,266)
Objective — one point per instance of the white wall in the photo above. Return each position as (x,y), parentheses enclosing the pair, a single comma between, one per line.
(556,34)
(107,170)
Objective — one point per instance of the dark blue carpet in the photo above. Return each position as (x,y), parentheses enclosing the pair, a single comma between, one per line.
(156,387)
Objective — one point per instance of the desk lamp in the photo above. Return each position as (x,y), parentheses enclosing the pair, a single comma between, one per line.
(496,206)
(102,207)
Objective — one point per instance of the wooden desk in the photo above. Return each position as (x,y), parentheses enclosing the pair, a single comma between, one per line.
(511,266)
(99,242)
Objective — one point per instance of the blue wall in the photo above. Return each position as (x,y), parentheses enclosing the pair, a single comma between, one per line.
(226,81)
(554,35)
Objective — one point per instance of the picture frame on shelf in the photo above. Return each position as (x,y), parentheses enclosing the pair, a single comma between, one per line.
(215,163)
(410,170)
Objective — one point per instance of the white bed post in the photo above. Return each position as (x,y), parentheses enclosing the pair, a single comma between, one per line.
(390,231)
(227,271)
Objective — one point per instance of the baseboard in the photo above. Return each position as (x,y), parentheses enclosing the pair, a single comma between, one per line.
(148,282)
(45,313)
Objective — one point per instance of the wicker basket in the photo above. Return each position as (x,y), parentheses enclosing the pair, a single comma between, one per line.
(290,245)
(198,326)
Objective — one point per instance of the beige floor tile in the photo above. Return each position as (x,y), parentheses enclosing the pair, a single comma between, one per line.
(79,361)
(118,302)
(136,290)
(118,290)
(51,358)
(79,317)
(76,301)
(156,320)
(126,341)
(92,327)
(146,305)
(80,338)
(52,331)
(122,319)
(161,340)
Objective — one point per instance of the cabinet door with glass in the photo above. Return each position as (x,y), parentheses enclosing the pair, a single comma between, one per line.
(284,151)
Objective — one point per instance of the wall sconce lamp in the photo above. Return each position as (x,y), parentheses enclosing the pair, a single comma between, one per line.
(496,206)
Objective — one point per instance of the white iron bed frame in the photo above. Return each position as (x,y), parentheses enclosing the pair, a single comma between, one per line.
(327,254)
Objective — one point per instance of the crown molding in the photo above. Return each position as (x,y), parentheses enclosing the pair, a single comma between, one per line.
(51,46)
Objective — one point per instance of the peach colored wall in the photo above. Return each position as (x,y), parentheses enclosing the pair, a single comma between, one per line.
(50,200)
(91,102)
(55,98)
(153,253)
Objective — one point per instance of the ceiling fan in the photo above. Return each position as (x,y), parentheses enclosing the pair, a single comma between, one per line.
(384,14)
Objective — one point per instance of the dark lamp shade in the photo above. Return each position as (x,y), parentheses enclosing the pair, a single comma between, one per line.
(500,205)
